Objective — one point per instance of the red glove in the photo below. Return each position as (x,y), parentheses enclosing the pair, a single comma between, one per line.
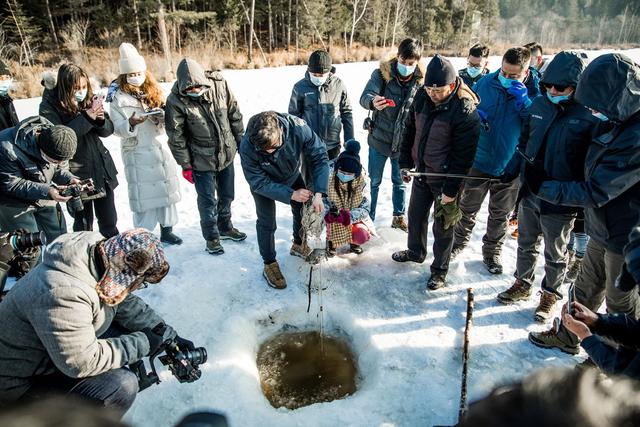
(330,219)
(344,217)
(188,175)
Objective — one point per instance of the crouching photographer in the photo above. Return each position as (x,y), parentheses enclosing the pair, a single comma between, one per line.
(72,324)
(18,250)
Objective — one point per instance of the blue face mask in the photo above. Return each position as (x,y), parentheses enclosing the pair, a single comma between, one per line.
(505,82)
(474,71)
(5,85)
(195,95)
(406,70)
(344,177)
(318,81)
(80,95)
(601,116)
(557,99)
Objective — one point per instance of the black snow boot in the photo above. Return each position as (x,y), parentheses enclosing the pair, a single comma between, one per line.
(167,236)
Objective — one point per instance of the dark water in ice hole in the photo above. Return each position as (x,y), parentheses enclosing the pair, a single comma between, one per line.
(295,372)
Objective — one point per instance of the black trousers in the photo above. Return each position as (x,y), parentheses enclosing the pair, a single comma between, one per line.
(423,197)
(105,211)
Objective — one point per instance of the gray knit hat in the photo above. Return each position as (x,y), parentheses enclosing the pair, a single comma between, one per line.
(58,142)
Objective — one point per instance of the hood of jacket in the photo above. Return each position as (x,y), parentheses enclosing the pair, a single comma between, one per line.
(190,74)
(389,70)
(464,92)
(611,85)
(24,137)
(71,255)
(565,69)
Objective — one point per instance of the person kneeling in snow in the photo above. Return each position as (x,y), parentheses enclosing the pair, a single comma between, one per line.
(71,325)
(347,204)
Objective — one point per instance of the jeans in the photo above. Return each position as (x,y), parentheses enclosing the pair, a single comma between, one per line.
(105,211)
(215,214)
(377,162)
(266,224)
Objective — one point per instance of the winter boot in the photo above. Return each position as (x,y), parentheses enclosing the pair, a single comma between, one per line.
(233,234)
(573,270)
(274,276)
(331,250)
(400,223)
(519,291)
(355,249)
(550,339)
(404,256)
(493,264)
(301,250)
(436,281)
(214,247)
(167,236)
(547,302)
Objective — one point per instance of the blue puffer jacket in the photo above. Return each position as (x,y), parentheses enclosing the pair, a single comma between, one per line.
(272,175)
(499,137)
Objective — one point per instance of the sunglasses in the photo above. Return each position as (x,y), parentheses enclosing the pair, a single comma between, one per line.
(559,88)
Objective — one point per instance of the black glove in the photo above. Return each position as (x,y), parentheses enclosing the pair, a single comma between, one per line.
(155,337)
(185,344)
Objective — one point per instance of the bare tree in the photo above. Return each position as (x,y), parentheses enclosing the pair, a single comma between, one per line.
(164,40)
(355,18)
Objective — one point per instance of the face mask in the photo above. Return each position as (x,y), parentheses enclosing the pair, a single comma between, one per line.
(318,81)
(557,99)
(474,71)
(344,177)
(505,82)
(137,81)
(406,70)
(5,85)
(80,95)
(601,116)
(195,95)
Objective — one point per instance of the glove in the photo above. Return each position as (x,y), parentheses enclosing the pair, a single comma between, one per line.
(184,344)
(155,338)
(344,217)
(449,212)
(330,219)
(519,91)
(188,175)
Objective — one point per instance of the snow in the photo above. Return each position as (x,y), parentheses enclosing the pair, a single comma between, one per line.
(407,341)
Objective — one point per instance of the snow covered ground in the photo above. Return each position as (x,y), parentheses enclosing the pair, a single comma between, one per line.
(407,341)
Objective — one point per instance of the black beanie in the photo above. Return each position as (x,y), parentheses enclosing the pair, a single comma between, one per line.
(349,159)
(58,142)
(320,62)
(4,70)
(440,72)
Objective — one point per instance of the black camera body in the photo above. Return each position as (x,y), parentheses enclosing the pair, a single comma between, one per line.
(80,193)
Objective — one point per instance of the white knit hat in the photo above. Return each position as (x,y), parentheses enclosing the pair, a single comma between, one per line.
(130,60)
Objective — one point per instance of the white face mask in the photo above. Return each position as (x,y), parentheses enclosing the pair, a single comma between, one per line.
(319,81)
(136,81)
(5,85)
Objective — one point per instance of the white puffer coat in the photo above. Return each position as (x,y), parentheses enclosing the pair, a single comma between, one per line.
(149,166)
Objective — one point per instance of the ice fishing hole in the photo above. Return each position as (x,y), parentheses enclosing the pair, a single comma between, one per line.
(302,368)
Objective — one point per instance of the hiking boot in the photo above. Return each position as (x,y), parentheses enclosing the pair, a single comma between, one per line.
(355,249)
(457,250)
(274,276)
(573,270)
(519,291)
(547,302)
(493,265)
(331,250)
(167,236)
(400,223)
(403,256)
(436,281)
(214,247)
(550,339)
(513,227)
(301,250)
(233,234)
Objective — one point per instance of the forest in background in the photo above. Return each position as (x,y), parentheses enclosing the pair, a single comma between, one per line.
(40,34)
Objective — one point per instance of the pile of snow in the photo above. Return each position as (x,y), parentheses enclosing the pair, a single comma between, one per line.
(407,341)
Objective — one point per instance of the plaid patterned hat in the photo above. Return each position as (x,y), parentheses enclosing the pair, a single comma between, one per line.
(131,258)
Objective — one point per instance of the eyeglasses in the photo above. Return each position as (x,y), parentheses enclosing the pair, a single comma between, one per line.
(559,88)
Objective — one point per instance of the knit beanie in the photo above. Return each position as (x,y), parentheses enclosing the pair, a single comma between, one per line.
(440,72)
(58,142)
(320,62)
(349,159)
(130,60)
(4,69)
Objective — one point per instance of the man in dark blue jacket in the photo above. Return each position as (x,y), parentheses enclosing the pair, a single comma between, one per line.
(270,153)
(504,105)
(476,65)
(553,146)
(610,88)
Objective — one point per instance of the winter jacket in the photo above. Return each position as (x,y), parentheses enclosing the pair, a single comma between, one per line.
(272,175)
(442,138)
(25,177)
(148,165)
(92,159)
(555,137)
(612,165)
(203,132)
(388,124)
(499,135)
(326,109)
(470,81)
(358,213)
(532,82)
(8,116)
(52,317)
(623,330)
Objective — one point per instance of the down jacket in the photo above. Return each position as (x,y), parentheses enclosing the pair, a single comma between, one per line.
(203,132)
(326,109)
(388,124)
(52,317)
(148,165)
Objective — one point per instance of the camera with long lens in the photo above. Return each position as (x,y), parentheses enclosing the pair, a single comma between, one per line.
(18,252)
(80,193)
(21,241)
